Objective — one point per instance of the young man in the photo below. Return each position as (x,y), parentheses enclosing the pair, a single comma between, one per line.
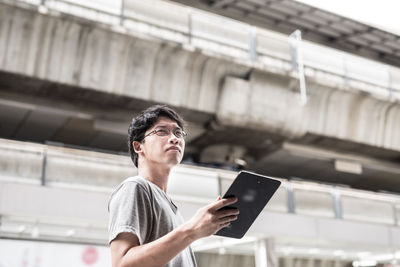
(146,228)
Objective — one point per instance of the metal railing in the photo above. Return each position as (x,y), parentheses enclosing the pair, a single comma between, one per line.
(65,167)
(259,48)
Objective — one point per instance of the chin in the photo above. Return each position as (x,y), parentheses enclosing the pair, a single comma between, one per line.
(174,162)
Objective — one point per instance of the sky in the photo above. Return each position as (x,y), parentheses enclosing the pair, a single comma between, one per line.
(382,14)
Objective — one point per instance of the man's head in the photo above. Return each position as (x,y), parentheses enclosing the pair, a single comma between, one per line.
(161,126)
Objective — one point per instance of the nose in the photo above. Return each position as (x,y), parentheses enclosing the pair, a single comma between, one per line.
(173,139)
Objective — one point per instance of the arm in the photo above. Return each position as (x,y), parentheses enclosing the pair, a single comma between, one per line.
(126,251)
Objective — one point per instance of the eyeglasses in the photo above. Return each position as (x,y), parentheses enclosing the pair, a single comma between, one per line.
(178,132)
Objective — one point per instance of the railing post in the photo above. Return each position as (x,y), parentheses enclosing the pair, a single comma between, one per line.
(219,186)
(261,253)
(44,165)
(290,198)
(395,218)
(346,73)
(42,7)
(337,203)
(297,63)
(253,43)
(122,13)
(265,254)
(190,27)
(390,89)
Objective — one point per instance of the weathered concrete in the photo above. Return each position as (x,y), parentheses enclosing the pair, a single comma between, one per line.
(87,79)
(87,55)
(66,50)
(265,102)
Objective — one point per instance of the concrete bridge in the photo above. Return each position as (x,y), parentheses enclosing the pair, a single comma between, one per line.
(72,80)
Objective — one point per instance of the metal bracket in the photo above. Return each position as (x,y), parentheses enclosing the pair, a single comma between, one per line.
(297,63)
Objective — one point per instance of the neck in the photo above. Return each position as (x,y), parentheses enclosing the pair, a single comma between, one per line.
(155,174)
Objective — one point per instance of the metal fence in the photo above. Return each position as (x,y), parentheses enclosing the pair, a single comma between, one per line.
(66,167)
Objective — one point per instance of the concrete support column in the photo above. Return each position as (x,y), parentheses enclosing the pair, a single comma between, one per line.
(265,253)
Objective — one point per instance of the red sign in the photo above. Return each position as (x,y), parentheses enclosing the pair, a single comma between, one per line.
(90,256)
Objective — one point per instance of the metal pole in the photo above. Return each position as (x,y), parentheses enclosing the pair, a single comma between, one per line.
(44,165)
(190,27)
(261,253)
(219,186)
(290,198)
(395,218)
(390,83)
(337,203)
(265,255)
(346,72)
(297,63)
(253,43)
(122,13)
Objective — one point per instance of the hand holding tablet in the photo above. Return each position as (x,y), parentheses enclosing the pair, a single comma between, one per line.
(253,192)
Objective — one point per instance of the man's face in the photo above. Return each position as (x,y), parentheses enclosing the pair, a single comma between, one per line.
(163,149)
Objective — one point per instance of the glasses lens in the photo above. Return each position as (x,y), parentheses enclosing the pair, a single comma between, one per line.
(162,132)
(178,133)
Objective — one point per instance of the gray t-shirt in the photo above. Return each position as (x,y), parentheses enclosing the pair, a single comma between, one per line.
(140,207)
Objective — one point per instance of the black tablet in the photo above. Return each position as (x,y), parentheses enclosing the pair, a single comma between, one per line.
(253,192)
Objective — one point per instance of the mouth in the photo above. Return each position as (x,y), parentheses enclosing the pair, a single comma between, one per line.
(174,148)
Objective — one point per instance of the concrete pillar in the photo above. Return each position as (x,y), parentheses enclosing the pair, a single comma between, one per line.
(265,253)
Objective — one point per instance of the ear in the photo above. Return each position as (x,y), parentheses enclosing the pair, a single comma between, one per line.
(137,146)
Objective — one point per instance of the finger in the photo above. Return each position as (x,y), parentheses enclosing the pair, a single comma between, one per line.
(223,213)
(210,206)
(228,219)
(222,203)
(224,225)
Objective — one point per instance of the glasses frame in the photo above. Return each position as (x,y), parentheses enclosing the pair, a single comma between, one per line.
(155,131)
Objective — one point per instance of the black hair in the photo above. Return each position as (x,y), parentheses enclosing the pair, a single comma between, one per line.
(144,121)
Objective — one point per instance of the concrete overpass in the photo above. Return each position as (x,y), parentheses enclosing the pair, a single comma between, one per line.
(74,80)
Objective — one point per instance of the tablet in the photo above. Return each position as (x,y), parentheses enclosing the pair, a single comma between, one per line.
(253,192)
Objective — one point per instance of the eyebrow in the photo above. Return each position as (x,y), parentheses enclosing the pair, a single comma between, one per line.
(164,126)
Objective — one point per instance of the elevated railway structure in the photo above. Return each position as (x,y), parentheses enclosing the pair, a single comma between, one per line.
(75,74)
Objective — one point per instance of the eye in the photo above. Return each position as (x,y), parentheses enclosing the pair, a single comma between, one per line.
(162,132)
(178,133)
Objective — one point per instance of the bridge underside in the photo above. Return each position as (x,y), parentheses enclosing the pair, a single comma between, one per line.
(43,111)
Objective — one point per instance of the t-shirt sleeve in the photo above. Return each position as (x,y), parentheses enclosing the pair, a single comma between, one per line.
(130,212)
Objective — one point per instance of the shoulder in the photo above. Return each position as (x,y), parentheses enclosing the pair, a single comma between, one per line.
(134,182)
(131,187)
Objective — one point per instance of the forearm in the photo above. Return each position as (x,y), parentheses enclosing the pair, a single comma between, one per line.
(127,252)
(159,252)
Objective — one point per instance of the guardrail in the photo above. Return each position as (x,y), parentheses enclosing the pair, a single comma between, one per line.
(195,29)
(66,167)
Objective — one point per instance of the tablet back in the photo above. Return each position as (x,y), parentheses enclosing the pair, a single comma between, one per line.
(253,192)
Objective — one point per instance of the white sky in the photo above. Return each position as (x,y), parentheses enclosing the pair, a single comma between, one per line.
(383,14)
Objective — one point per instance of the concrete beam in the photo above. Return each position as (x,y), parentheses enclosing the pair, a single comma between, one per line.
(87,55)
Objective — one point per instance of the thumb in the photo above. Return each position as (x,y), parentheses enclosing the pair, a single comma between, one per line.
(219,198)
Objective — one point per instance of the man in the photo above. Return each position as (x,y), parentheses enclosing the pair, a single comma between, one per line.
(146,228)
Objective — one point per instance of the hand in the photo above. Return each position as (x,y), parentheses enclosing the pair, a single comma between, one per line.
(210,219)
